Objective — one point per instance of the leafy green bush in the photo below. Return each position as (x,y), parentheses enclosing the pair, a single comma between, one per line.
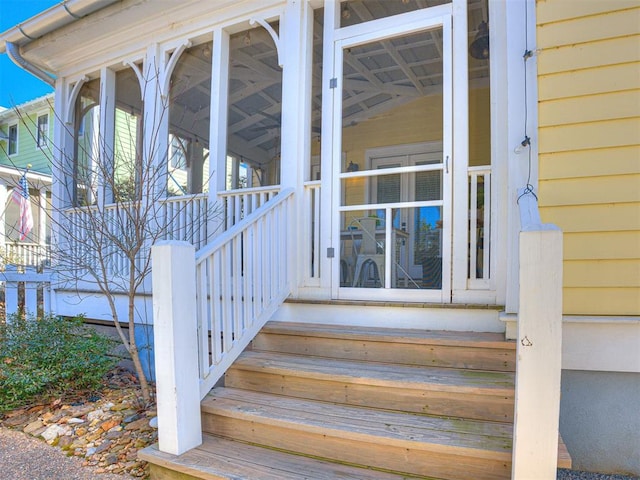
(45,358)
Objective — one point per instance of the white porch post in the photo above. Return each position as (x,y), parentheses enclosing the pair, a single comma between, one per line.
(218,129)
(3,203)
(156,122)
(539,346)
(42,225)
(521,110)
(296,40)
(175,338)
(106,143)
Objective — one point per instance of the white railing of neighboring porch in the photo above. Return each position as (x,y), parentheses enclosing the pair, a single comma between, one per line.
(25,292)
(237,204)
(539,345)
(27,254)
(208,308)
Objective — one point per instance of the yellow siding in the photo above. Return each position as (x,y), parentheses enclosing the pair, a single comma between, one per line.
(585,136)
(589,29)
(601,301)
(606,161)
(589,144)
(602,273)
(601,245)
(604,79)
(590,190)
(606,106)
(589,55)
(549,11)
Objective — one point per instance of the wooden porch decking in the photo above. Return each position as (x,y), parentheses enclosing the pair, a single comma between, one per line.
(328,402)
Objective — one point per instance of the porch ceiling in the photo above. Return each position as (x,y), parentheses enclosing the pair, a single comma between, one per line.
(378,76)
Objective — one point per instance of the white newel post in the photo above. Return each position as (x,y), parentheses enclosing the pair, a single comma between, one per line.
(539,348)
(176,352)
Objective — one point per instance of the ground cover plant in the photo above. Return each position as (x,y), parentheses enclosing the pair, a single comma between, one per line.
(49,357)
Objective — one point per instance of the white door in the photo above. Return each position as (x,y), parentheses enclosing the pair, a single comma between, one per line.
(392,143)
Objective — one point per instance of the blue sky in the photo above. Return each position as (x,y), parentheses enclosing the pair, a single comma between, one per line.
(16,85)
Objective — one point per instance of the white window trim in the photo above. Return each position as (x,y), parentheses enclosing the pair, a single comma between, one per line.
(47,135)
(15,124)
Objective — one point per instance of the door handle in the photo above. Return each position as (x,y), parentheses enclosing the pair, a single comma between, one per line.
(446,164)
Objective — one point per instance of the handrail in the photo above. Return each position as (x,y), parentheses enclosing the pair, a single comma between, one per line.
(242,277)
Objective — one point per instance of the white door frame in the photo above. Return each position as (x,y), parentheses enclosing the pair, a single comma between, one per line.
(440,16)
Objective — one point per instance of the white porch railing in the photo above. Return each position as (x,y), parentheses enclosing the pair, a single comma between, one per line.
(208,308)
(479,226)
(242,278)
(27,254)
(311,246)
(539,345)
(183,218)
(187,217)
(237,204)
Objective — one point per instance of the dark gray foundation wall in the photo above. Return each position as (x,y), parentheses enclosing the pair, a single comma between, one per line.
(600,420)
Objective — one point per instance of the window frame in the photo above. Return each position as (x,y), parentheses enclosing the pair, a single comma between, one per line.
(42,137)
(14,142)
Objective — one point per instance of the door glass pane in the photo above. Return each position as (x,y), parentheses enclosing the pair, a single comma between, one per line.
(362,249)
(392,135)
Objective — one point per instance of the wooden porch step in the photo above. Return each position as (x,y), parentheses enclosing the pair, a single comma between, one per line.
(400,442)
(470,394)
(471,350)
(222,459)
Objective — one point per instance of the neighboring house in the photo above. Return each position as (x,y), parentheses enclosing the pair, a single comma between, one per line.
(26,131)
(376,162)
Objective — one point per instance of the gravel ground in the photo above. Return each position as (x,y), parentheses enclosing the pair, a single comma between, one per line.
(26,458)
(576,475)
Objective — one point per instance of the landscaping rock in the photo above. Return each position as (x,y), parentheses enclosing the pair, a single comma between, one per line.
(106,429)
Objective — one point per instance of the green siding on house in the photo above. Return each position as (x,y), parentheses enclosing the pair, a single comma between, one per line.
(28,151)
(589,146)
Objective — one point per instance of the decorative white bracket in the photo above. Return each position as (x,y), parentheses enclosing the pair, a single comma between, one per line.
(138,72)
(272,32)
(165,77)
(71,101)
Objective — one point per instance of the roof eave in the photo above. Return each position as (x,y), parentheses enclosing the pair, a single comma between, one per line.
(58,16)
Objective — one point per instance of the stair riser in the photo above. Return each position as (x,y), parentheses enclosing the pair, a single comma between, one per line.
(454,404)
(390,457)
(476,358)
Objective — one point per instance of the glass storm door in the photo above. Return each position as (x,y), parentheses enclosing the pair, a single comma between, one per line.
(391,174)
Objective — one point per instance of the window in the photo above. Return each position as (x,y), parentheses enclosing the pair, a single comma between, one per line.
(13,139)
(43,130)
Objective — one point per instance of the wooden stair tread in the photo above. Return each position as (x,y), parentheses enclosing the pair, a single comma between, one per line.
(421,432)
(433,337)
(219,458)
(379,374)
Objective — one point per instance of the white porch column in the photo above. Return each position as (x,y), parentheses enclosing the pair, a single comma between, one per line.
(297,42)
(176,346)
(156,124)
(218,128)
(521,111)
(42,217)
(3,204)
(106,144)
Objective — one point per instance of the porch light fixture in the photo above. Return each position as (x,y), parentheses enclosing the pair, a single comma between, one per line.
(479,48)
(247,39)
(353,167)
